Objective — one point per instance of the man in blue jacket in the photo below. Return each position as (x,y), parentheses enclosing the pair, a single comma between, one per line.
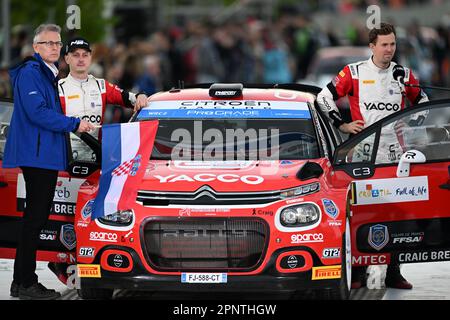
(37,144)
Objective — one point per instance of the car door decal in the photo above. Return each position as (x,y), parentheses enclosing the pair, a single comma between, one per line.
(393,190)
(65,198)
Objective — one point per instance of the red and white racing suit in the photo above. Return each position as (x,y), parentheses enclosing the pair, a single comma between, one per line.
(373,94)
(87,100)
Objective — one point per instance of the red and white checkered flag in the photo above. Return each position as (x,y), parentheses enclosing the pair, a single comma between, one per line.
(123,169)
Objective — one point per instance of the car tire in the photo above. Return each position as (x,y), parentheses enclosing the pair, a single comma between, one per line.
(95,293)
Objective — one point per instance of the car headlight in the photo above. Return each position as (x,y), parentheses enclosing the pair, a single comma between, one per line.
(119,218)
(300,215)
(300,191)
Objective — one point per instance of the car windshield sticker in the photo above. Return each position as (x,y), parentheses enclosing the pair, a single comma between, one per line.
(225,109)
(393,190)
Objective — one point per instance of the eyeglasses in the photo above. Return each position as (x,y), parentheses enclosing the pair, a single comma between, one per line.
(50,44)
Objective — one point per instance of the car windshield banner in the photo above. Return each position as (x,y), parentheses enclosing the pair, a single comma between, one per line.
(237,109)
(126,150)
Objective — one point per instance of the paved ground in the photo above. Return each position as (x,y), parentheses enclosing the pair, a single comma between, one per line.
(431,282)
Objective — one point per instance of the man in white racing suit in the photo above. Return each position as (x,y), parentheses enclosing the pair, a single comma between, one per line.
(84,96)
(373,94)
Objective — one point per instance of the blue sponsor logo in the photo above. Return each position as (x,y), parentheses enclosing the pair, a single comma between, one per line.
(67,236)
(330,208)
(87,210)
(286,162)
(223,113)
(378,236)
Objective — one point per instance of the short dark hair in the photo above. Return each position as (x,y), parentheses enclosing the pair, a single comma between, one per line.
(384,29)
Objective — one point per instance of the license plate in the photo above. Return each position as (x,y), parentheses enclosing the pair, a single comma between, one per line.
(204,278)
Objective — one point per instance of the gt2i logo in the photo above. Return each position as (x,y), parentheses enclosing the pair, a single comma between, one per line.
(208,177)
(307,237)
(331,253)
(86,252)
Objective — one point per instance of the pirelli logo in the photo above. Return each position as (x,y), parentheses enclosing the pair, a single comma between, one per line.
(89,271)
(328,272)
(73,97)
(368,81)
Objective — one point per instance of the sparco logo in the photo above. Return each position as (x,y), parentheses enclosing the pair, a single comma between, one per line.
(103,236)
(204,233)
(92,118)
(382,106)
(307,237)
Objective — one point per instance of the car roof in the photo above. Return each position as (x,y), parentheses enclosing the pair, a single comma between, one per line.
(254,94)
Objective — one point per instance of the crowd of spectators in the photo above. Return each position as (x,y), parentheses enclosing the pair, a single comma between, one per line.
(250,51)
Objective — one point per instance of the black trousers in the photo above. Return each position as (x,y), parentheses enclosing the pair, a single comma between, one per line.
(40,187)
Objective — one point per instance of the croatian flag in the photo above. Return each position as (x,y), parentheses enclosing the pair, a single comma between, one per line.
(126,150)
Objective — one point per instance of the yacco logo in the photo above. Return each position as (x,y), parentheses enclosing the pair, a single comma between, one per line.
(208,177)
(92,118)
(382,106)
(378,236)
(373,193)
(103,236)
(307,237)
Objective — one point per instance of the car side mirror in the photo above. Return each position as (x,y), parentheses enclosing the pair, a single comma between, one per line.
(309,170)
(412,156)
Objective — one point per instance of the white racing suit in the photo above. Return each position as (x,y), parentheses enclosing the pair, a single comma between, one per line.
(373,94)
(87,100)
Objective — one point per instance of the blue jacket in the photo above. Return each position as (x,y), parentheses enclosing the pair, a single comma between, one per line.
(36,137)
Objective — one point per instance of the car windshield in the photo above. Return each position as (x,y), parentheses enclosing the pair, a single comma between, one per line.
(235,139)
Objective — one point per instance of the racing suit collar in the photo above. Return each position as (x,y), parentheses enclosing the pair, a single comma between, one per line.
(374,67)
(77,81)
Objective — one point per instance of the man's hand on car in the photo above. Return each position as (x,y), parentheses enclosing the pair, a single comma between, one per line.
(352,127)
(141,102)
(85,127)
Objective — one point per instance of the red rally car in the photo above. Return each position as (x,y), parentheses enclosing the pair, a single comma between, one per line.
(250,189)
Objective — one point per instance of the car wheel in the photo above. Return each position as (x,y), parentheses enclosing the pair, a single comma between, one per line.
(95,293)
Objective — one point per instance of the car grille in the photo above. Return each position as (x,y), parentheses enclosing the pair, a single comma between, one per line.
(189,244)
